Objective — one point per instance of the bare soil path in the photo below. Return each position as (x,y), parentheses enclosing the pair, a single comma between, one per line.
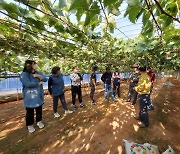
(97,129)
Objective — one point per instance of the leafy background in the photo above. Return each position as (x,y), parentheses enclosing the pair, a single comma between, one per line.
(43,30)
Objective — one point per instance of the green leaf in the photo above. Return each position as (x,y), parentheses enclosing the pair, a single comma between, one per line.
(133,12)
(37,23)
(148,29)
(58,12)
(1,3)
(79,4)
(94,9)
(166,21)
(62,3)
(109,2)
(87,20)
(59,27)
(79,14)
(133,2)
(111,27)
(11,9)
(146,17)
(52,21)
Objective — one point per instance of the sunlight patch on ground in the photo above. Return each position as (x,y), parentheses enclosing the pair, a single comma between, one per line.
(136,127)
(162,125)
(16,125)
(114,124)
(119,148)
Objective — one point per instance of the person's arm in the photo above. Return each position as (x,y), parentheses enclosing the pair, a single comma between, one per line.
(80,76)
(103,78)
(94,80)
(44,78)
(153,79)
(25,79)
(113,76)
(131,78)
(50,82)
(41,76)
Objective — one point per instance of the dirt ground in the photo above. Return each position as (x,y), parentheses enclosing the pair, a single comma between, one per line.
(98,129)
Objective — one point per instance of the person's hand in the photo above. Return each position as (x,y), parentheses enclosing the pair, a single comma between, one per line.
(40,83)
(37,76)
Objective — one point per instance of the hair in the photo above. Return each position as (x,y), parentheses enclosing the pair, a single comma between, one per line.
(74,67)
(94,68)
(117,69)
(134,66)
(55,69)
(107,68)
(142,68)
(148,67)
(28,66)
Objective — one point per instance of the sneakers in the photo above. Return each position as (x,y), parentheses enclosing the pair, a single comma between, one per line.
(142,125)
(82,105)
(56,115)
(68,112)
(93,102)
(40,124)
(74,107)
(31,129)
(150,108)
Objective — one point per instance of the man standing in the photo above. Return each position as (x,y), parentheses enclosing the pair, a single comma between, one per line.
(76,79)
(152,76)
(143,90)
(92,83)
(106,78)
(134,78)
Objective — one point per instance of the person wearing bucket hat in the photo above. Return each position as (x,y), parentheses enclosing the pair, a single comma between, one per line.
(134,78)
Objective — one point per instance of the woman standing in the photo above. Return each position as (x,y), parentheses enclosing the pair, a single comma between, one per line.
(56,89)
(33,94)
(116,82)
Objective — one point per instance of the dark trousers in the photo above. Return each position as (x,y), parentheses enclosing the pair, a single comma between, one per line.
(143,113)
(55,102)
(30,115)
(92,91)
(116,89)
(149,99)
(131,93)
(76,90)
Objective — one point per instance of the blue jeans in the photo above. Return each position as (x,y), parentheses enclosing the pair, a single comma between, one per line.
(108,88)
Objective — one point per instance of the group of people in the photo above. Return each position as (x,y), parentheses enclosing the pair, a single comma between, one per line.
(141,85)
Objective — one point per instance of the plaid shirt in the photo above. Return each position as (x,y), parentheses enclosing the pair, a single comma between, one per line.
(74,77)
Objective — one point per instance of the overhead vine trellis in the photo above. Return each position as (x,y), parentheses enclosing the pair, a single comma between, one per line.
(80,32)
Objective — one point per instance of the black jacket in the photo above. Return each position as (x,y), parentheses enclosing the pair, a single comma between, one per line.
(106,78)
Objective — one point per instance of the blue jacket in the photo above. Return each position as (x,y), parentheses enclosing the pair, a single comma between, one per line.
(33,93)
(56,85)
